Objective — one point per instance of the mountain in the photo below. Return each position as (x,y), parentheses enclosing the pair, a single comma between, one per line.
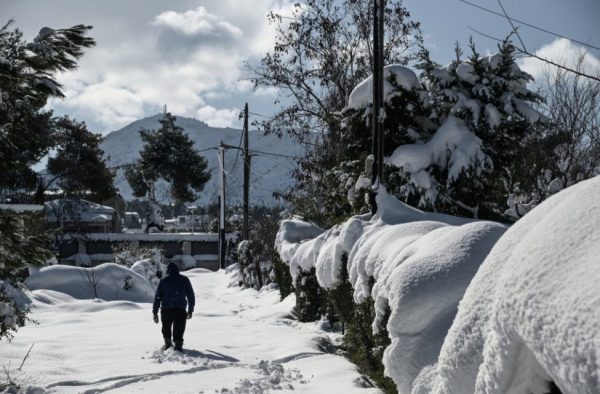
(268,173)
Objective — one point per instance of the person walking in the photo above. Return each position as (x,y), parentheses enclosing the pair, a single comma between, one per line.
(173,294)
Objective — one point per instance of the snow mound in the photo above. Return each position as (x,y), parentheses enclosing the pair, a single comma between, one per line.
(108,282)
(394,76)
(530,315)
(421,262)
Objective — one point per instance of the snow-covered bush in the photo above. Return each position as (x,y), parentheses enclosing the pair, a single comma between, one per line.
(148,262)
(282,277)
(106,281)
(253,270)
(530,315)
(411,265)
(256,256)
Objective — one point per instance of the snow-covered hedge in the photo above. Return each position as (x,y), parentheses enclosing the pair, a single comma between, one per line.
(531,313)
(528,314)
(421,263)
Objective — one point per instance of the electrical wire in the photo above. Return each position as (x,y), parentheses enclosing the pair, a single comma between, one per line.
(523,51)
(529,25)
(258,153)
(238,152)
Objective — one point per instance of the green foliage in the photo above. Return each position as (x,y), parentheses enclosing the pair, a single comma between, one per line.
(17,316)
(23,242)
(169,154)
(341,296)
(364,348)
(27,80)
(282,277)
(310,297)
(78,163)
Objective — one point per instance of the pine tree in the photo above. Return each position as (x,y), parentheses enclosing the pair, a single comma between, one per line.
(27,80)
(23,242)
(168,154)
(78,164)
(486,132)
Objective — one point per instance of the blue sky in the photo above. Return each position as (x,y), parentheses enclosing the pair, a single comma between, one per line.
(188,54)
(447,21)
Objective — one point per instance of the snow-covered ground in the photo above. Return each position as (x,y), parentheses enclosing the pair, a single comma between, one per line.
(239,341)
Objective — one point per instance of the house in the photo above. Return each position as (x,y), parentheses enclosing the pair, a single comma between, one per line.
(81,216)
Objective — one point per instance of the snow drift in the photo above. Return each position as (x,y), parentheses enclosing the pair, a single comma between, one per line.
(421,263)
(107,281)
(531,314)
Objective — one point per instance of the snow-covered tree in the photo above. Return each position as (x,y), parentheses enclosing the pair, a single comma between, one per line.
(321,52)
(486,132)
(78,164)
(27,79)
(169,154)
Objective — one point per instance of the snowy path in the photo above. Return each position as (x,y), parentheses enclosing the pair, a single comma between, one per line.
(239,341)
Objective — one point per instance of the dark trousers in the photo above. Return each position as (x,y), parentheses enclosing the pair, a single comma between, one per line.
(173,319)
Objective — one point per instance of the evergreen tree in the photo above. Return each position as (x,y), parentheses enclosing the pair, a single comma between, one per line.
(23,242)
(485,140)
(27,80)
(168,154)
(78,164)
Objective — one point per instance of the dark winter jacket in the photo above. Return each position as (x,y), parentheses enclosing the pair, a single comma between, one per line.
(174,291)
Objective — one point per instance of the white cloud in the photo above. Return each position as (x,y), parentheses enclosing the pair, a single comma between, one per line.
(561,51)
(197,22)
(218,117)
(191,60)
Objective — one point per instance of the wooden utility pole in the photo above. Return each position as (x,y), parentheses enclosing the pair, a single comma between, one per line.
(222,206)
(377,79)
(245,228)
(380,26)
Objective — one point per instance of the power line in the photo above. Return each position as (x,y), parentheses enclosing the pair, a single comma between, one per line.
(512,25)
(120,166)
(529,25)
(274,154)
(523,51)
(237,154)
(261,115)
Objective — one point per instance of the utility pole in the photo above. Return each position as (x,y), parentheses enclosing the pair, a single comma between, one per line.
(245,229)
(380,27)
(376,123)
(222,206)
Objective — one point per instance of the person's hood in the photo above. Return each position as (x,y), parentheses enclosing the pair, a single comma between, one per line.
(172,269)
